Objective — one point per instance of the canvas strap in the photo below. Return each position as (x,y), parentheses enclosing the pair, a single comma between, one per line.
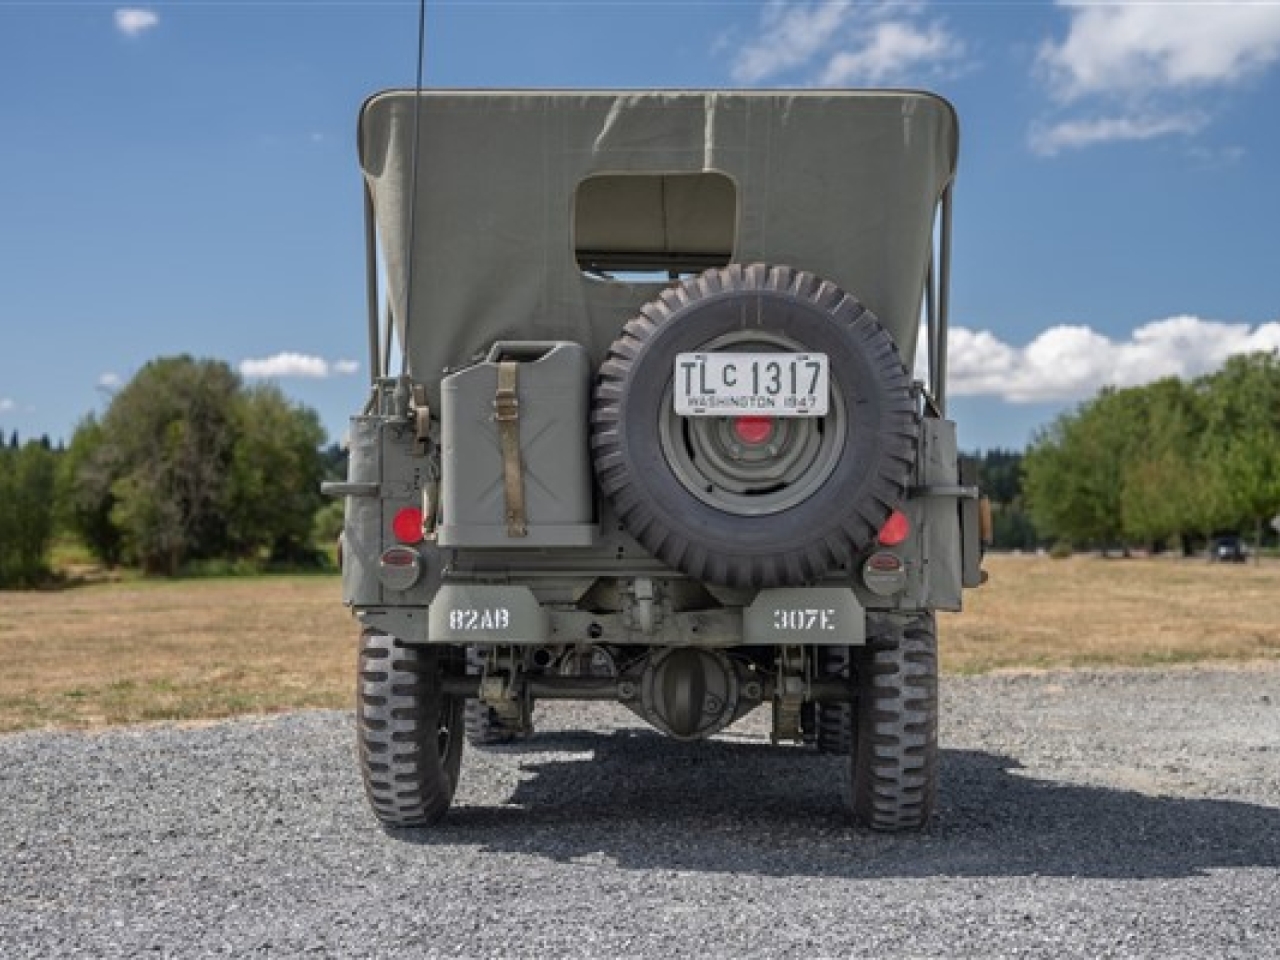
(506,413)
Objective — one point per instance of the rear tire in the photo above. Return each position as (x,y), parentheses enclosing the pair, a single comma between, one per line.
(834,721)
(410,731)
(894,764)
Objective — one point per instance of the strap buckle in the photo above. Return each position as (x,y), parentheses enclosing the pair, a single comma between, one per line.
(506,406)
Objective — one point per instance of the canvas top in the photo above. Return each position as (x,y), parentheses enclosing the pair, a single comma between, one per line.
(519,192)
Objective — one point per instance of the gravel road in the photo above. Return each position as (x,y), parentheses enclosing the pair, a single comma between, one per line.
(1126,814)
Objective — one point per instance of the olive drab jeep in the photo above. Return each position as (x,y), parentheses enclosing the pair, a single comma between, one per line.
(643,426)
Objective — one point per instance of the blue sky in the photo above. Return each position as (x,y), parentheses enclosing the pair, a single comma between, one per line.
(181,178)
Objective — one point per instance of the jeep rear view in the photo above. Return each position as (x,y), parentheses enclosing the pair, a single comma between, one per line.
(643,426)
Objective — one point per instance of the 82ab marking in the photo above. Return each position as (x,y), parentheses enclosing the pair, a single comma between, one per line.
(498,618)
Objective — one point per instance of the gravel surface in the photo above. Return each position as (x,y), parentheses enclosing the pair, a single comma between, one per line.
(1126,814)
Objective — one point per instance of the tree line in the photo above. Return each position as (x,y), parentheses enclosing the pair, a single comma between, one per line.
(186,464)
(27,474)
(189,464)
(1170,463)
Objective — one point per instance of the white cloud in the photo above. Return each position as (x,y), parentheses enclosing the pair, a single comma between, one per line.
(892,50)
(289,364)
(110,381)
(1138,48)
(843,42)
(134,21)
(1072,362)
(793,34)
(1076,134)
(7,405)
(1138,71)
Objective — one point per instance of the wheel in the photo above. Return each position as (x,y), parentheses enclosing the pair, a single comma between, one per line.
(834,721)
(410,731)
(894,762)
(486,727)
(780,500)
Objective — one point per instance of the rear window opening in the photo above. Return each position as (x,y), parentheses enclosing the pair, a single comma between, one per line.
(647,227)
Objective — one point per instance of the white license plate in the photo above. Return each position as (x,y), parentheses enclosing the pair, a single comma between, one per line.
(751,384)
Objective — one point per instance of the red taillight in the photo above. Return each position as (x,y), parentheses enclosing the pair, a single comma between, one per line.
(753,430)
(895,530)
(407,525)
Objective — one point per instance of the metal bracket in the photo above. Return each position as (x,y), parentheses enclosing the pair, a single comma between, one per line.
(928,406)
(790,695)
(959,491)
(499,688)
(343,488)
(645,613)
(421,421)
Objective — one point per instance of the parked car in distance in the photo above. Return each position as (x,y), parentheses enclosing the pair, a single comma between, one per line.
(1228,550)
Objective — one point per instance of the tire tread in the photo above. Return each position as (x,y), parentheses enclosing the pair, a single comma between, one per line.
(399,712)
(895,757)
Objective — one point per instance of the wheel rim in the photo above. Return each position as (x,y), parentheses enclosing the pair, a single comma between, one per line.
(747,477)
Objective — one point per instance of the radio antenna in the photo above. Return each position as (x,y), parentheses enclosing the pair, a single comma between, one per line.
(413,189)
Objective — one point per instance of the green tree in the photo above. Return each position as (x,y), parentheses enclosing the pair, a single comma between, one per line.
(1164,492)
(1243,425)
(1073,470)
(187,464)
(84,496)
(1052,487)
(273,485)
(26,513)
(1000,475)
(1012,528)
(329,519)
(163,455)
(1165,460)
(334,461)
(1000,479)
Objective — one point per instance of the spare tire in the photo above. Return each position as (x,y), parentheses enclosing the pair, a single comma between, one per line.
(799,495)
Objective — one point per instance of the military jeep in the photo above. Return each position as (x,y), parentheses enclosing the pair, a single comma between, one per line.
(643,426)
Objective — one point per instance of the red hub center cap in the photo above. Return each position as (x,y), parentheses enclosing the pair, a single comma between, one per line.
(753,430)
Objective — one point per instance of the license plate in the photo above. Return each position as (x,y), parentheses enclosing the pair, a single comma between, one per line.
(751,384)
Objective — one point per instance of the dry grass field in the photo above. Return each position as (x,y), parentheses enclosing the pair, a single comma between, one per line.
(188,651)
(1089,611)
(176,651)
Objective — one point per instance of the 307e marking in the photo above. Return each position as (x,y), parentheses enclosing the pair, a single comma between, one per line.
(809,618)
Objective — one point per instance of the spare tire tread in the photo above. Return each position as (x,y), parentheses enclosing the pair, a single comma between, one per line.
(798,544)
